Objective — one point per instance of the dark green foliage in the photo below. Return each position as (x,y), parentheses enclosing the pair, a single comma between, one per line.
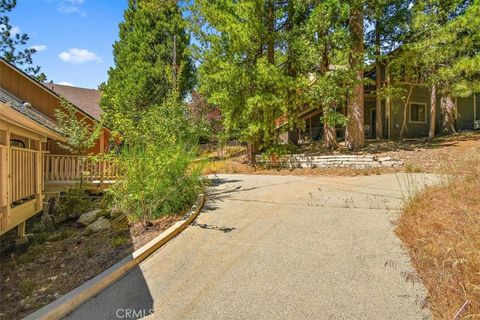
(248,67)
(143,104)
(145,61)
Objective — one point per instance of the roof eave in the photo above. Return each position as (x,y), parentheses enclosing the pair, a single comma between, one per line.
(23,121)
(51,92)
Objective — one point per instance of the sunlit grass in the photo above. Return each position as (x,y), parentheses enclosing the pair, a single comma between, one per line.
(441,229)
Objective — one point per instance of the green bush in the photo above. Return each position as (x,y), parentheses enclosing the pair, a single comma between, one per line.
(157,180)
(73,203)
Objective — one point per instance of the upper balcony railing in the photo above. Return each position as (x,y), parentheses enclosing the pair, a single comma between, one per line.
(71,169)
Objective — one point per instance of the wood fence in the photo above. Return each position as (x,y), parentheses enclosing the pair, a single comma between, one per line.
(68,168)
(24,172)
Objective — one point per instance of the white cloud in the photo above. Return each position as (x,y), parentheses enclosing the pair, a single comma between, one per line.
(39,47)
(65,83)
(75,55)
(71,6)
(15,30)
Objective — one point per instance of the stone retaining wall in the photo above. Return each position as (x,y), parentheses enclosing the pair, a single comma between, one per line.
(309,161)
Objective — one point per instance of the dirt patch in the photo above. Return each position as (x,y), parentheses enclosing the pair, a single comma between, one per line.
(441,229)
(55,263)
(419,155)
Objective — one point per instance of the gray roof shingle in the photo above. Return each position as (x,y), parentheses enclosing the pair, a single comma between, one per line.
(35,115)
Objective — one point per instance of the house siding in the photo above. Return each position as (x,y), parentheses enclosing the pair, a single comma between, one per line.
(45,102)
(414,129)
(465,113)
(477,106)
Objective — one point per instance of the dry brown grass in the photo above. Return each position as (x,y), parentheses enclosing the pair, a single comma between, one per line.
(441,229)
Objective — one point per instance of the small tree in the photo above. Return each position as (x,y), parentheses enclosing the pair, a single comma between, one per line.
(80,135)
(204,118)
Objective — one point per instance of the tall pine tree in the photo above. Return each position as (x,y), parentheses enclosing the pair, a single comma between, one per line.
(151,62)
(435,50)
(242,66)
(355,132)
(325,57)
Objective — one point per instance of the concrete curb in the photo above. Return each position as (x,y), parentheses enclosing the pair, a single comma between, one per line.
(75,298)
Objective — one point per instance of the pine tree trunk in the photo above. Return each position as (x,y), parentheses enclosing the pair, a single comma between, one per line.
(448,109)
(329,132)
(378,84)
(405,109)
(291,58)
(329,136)
(251,153)
(433,111)
(271,30)
(354,135)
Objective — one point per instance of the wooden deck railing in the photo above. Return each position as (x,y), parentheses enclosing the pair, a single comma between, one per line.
(370,88)
(24,173)
(68,168)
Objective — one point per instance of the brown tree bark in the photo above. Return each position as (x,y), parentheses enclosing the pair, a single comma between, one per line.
(329,136)
(378,84)
(251,153)
(405,111)
(433,111)
(329,132)
(354,135)
(448,108)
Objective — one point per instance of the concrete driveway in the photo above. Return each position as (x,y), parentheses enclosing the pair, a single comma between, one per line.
(279,247)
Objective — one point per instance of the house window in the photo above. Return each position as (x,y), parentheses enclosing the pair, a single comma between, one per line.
(418,112)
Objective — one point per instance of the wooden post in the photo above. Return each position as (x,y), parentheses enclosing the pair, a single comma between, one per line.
(102,170)
(38,177)
(4,203)
(21,230)
(310,119)
(9,178)
(21,234)
(102,142)
(474,107)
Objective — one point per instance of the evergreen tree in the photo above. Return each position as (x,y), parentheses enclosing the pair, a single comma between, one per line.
(325,57)
(434,50)
(151,62)
(242,66)
(463,35)
(459,73)
(12,44)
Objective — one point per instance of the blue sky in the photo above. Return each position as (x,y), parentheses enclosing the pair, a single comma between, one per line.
(74,38)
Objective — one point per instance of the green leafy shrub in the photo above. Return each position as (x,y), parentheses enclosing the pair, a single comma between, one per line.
(157,180)
(73,203)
